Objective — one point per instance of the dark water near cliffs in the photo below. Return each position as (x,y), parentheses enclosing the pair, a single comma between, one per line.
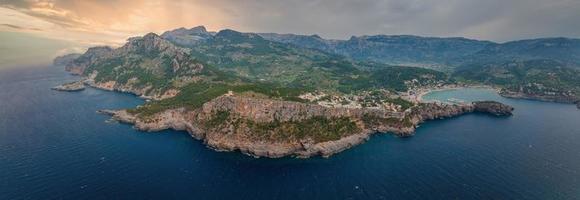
(54,146)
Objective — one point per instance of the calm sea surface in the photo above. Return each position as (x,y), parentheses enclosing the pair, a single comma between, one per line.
(54,146)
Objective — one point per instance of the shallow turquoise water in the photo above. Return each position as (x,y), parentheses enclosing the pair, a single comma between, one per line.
(463,95)
(54,146)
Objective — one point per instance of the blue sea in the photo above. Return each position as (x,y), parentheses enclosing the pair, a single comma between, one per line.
(53,145)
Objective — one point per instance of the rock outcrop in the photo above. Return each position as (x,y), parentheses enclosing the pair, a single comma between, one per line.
(260,127)
(492,107)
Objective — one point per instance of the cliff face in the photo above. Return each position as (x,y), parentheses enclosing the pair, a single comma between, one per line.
(270,128)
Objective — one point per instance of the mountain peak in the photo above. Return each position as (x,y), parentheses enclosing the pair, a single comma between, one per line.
(151,36)
(187,37)
(99,49)
(237,36)
(149,42)
(228,32)
(198,29)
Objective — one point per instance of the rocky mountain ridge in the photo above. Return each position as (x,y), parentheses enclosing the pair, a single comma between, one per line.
(438,53)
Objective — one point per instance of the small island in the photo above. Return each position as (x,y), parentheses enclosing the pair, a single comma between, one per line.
(70,87)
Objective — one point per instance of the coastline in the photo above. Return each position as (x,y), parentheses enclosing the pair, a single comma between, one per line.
(544,98)
(500,91)
(235,132)
(228,136)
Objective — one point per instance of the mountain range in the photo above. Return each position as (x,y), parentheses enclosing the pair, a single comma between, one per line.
(274,95)
(158,63)
(438,53)
(443,54)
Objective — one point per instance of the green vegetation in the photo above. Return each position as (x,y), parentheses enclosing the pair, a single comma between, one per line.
(122,70)
(378,97)
(536,77)
(392,77)
(402,102)
(107,69)
(196,94)
(141,65)
(319,129)
(218,119)
(253,58)
(372,120)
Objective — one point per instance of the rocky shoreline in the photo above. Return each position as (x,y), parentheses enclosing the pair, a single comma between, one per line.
(238,132)
(140,92)
(546,98)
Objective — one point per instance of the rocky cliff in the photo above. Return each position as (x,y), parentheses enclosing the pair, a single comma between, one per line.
(271,128)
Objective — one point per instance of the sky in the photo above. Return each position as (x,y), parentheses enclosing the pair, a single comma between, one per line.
(110,22)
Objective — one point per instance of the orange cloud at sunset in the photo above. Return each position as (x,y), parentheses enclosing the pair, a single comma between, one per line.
(104,22)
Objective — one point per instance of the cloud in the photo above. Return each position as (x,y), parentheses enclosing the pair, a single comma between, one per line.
(115,20)
(20,27)
(111,21)
(498,20)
